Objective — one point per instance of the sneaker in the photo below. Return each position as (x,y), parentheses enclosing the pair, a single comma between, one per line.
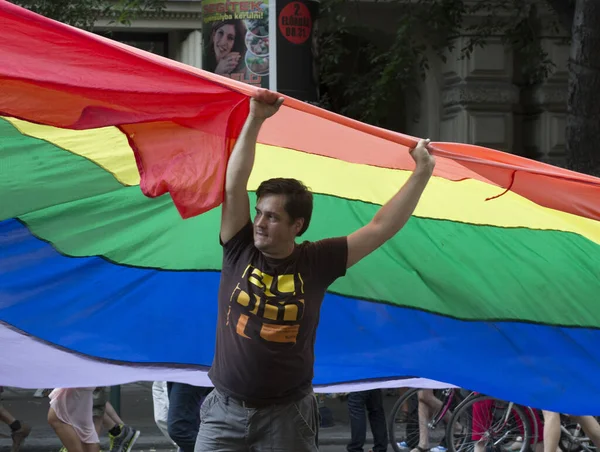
(18,437)
(125,440)
(134,438)
(403,445)
(438,449)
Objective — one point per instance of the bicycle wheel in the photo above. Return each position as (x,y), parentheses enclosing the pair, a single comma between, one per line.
(486,424)
(403,423)
(534,416)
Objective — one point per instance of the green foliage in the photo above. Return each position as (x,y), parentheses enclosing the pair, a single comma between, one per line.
(371,78)
(84,13)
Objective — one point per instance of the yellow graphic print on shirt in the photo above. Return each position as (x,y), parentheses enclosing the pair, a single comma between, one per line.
(277,303)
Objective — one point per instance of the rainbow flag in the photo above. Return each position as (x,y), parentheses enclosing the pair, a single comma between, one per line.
(112,168)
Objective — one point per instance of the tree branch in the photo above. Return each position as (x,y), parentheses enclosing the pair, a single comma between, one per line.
(565,9)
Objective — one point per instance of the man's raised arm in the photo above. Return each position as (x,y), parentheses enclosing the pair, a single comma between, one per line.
(394,214)
(236,205)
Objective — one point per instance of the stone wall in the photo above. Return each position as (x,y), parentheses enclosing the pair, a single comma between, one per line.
(482,101)
(545,106)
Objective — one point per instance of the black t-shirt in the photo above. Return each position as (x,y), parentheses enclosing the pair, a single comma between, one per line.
(268,316)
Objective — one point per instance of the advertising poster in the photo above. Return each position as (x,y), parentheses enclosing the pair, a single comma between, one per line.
(296,48)
(236,40)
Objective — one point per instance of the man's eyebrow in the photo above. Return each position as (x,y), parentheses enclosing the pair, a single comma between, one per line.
(267,212)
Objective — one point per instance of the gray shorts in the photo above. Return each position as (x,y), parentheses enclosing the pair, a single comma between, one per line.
(226,426)
(100,398)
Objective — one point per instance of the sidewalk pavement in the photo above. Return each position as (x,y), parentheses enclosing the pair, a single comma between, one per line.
(137,411)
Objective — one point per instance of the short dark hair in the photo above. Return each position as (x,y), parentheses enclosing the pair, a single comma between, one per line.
(299,199)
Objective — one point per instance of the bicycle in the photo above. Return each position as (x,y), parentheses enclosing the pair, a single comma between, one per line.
(483,423)
(573,438)
(403,423)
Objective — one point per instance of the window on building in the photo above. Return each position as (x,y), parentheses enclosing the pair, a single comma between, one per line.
(157,43)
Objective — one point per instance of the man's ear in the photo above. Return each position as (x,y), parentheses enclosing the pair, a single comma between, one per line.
(298,225)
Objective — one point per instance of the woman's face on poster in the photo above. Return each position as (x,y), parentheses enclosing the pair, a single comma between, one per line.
(223,40)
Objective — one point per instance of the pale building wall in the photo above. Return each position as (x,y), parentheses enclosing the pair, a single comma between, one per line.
(181,22)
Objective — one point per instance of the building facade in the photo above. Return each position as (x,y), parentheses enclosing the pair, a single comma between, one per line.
(481,100)
(174,33)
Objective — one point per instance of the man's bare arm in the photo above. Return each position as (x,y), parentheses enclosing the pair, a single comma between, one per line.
(394,214)
(236,205)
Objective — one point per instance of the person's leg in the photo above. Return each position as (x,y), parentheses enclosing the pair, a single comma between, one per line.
(590,427)
(106,417)
(160,400)
(111,416)
(111,422)
(104,413)
(65,432)
(376,413)
(551,431)
(98,424)
(91,448)
(358,421)
(377,420)
(291,427)
(71,411)
(434,404)
(424,415)
(224,425)
(122,437)
(99,396)
(184,414)
(18,430)
(6,417)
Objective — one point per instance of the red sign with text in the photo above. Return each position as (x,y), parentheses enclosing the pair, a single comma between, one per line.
(295,23)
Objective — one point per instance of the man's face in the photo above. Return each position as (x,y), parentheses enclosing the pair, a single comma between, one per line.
(274,230)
